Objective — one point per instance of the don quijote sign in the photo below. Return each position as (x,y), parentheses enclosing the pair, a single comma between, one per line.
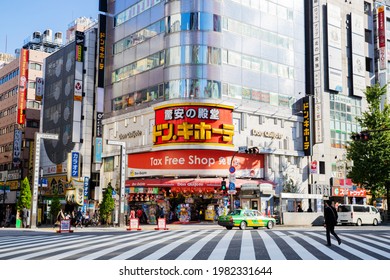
(268,134)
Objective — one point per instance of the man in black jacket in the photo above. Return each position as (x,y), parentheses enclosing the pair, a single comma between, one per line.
(330,215)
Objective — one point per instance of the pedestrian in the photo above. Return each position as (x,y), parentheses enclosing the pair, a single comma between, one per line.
(299,208)
(330,215)
(79,219)
(24,216)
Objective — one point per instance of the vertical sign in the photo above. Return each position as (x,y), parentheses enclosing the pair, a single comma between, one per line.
(38,88)
(75,164)
(17,148)
(86,192)
(99,124)
(317,23)
(102,50)
(23,74)
(382,37)
(79,46)
(307,125)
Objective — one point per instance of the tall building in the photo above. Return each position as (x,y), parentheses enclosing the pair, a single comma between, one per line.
(68,111)
(188,87)
(20,104)
(341,56)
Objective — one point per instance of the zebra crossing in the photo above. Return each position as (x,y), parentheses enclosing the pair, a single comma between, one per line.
(204,244)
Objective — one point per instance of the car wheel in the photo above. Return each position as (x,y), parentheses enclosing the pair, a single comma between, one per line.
(359,222)
(270,224)
(375,222)
(243,225)
(229,227)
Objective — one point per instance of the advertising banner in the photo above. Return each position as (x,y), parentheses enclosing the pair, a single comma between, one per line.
(192,123)
(186,162)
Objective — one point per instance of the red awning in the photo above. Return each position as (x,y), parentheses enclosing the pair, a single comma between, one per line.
(201,182)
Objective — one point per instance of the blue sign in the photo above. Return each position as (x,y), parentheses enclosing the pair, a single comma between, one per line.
(86,187)
(232,169)
(232,186)
(43,182)
(75,164)
(98,149)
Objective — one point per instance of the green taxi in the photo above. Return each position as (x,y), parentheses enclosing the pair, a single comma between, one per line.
(244,218)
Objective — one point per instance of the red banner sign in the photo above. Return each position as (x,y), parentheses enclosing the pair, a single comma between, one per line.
(23,84)
(358,192)
(193,123)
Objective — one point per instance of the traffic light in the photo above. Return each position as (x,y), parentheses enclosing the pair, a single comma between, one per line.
(253,150)
(362,136)
(223,185)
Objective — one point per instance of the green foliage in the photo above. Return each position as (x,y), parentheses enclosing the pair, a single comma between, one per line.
(371,159)
(108,204)
(55,206)
(24,199)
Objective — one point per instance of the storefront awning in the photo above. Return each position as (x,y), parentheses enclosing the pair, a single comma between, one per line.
(195,182)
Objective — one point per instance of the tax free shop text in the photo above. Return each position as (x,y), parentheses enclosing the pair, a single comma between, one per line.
(190,160)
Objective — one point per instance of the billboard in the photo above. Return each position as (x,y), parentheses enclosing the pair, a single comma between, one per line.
(307,125)
(23,82)
(192,123)
(58,97)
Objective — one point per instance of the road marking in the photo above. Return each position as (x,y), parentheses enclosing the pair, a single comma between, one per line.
(220,250)
(149,236)
(272,248)
(366,246)
(247,248)
(135,251)
(321,247)
(349,249)
(168,248)
(190,253)
(111,240)
(298,248)
(49,249)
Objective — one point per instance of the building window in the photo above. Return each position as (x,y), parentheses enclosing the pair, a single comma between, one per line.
(368,36)
(322,167)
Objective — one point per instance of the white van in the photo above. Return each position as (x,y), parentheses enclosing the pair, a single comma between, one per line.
(358,214)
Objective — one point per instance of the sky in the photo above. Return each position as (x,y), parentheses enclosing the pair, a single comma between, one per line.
(20,18)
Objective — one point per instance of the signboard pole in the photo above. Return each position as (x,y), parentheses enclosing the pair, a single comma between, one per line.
(122,179)
(38,137)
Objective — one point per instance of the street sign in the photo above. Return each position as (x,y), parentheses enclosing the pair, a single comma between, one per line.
(48,136)
(232,177)
(242,149)
(232,169)
(232,186)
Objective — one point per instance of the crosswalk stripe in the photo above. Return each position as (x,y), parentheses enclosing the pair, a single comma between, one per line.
(349,249)
(190,244)
(383,239)
(166,249)
(222,246)
(50,249)
(127,254)
(190,253)
(247,248)
(273,250)
(145,237)
(17,243)
(366,246)
(298,248)
(111,240)
(32,246)
(324,249)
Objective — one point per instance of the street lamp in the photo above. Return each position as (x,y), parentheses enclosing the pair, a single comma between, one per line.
(122,180)
(38,137)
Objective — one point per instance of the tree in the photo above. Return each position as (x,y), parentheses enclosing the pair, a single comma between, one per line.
(55,206)
(108,204)
(371,158)
(24,199)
